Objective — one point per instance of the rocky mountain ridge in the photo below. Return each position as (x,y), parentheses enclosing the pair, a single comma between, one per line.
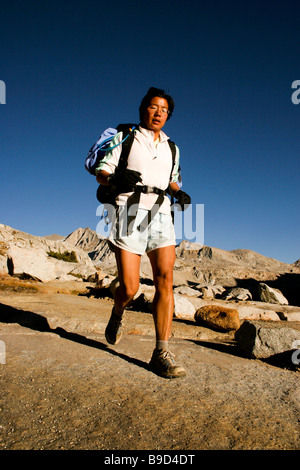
(203,264)
(186,251)
(28,255)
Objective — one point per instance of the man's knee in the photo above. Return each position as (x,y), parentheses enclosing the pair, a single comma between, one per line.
(164,281)
(128,291)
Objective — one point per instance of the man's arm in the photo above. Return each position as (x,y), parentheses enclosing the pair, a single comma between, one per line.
(102,177)
(174,187)
(125,180)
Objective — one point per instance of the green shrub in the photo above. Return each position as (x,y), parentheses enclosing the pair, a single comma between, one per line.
(69,256)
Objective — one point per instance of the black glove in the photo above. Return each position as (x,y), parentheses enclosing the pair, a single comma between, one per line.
(125,180)
(183,199)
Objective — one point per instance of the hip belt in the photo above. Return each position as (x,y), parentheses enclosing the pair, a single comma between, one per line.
(135,199)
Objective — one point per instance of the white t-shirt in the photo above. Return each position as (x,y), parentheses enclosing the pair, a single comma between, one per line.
(152,159)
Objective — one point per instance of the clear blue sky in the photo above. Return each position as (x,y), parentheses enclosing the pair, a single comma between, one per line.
(73,68)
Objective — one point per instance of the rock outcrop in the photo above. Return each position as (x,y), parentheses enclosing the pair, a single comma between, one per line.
(183,308)
(97,247)
(237,293)
(270,295)
(218,317)
(261,340)
(36,257)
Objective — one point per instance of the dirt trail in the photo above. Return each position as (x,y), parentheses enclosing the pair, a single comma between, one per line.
(63,387)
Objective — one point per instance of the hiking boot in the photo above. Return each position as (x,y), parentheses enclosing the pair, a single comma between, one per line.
(113,331)
(163,363)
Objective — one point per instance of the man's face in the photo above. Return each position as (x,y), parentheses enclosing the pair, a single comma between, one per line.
(156,114)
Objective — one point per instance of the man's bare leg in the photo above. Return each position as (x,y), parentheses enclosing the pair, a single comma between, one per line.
(162,361)
(128,272)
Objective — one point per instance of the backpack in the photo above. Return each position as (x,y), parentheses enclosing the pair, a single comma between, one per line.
(98,150)
(105,194)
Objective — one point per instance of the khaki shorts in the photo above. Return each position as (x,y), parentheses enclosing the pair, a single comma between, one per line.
(141,239)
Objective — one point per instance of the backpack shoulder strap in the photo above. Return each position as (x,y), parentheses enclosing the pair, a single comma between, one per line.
(127,144)
(173,150)
(169,190)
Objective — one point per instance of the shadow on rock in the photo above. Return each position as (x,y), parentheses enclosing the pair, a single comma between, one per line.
(282,360)
(287,283)
(229,347)
(37,322)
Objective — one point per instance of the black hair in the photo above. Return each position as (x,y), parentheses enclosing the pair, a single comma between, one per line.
(152,93)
